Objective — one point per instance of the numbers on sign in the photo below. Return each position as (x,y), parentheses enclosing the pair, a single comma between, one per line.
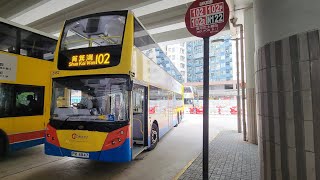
(219,7)
(215,18)
(197,12)
(214,8)
(218,17)
(103,58)
(197,22)
(99,58)
(107,58)
(211,9)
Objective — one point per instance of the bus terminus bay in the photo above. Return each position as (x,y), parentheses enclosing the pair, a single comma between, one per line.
(26,59)
(109,101)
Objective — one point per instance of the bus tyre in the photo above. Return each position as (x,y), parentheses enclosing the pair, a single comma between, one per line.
(2,146)
(154,136)
(178,120)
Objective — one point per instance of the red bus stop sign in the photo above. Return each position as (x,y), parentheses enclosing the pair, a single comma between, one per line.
(206,18)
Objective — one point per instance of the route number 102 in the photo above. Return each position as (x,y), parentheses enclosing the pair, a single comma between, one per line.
(103,59)
(195,22)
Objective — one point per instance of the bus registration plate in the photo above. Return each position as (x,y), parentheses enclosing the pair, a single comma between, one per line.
(80,154)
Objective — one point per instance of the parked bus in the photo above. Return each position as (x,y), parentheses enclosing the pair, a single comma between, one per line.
(26,59)
(127,102)
(191,99)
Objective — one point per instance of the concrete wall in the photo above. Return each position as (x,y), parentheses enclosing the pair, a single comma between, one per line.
(288,88)
(250,82)
(278,19)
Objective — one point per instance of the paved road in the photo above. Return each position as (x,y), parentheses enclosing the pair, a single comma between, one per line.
(173,152)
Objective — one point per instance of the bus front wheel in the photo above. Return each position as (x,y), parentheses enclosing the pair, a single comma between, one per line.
(178,120)
(154,136)
(2,146)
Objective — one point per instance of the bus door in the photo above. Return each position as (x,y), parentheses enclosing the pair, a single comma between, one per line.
(140,121)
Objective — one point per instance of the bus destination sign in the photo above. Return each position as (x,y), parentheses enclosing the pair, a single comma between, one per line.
(89,60)
(206,18)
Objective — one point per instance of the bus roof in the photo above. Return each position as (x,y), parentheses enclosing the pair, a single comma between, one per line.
(27,28)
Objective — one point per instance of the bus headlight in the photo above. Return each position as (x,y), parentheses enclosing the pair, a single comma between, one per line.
(116,138)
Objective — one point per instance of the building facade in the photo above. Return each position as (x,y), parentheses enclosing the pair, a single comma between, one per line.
(159,56)
(177,54)
(220,58)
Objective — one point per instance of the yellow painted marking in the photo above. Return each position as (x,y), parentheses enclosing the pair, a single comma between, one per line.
(185,168)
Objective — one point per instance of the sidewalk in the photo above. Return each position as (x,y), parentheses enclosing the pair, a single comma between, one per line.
(230,158)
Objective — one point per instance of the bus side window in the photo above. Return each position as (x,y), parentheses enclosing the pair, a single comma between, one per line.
(37,46)
(6,96)
(29,100)
(142,39)
(8,36)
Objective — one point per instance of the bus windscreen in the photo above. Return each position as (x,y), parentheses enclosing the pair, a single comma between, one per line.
(91,42)
(95,99)
(93,32)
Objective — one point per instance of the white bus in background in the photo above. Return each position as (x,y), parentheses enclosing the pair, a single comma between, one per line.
(191,99)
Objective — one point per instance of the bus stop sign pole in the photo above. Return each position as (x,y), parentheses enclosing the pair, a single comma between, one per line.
(205,108)
(205,18)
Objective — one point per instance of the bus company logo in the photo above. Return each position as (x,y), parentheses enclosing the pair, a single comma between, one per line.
(76,136)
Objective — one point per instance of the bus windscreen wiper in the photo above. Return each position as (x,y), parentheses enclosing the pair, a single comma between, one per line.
(64,121)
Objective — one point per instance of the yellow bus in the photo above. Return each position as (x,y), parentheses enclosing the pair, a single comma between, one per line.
(109,101)
(26,59)
(191,98)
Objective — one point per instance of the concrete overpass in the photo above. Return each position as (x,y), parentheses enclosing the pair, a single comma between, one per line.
(164,19)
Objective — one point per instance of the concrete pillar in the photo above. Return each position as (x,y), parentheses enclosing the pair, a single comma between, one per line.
(288,88)
(250,82)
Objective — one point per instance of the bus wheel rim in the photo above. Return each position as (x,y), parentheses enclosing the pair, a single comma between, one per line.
(154,136)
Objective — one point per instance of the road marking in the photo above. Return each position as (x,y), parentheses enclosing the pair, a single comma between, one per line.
(185,168)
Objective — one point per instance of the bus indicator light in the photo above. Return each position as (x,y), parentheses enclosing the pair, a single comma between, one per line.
(90,60)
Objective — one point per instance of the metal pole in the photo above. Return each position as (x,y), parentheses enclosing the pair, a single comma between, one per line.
(238,87)
(242,82)
(206,109)
(243,87)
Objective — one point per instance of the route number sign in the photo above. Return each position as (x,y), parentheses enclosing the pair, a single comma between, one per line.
(206,18)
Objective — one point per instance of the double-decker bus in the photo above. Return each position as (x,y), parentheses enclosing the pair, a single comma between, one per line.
(110,102)
(26,59)
(191,99)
